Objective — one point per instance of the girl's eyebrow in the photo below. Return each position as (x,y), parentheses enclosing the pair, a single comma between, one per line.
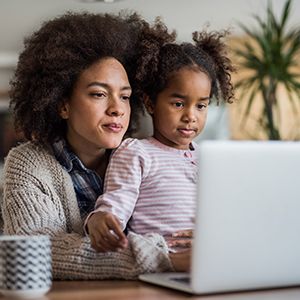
(176,95)
(205,98)
(106,86)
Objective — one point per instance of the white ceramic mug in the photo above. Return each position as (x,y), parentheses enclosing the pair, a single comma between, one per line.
(25,265)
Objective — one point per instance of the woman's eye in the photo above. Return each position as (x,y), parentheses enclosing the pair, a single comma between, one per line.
(125,98)
(98,95)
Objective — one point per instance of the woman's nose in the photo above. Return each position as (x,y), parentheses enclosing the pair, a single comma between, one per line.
(115,108)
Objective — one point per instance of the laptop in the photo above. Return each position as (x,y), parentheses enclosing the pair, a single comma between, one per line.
(247,231)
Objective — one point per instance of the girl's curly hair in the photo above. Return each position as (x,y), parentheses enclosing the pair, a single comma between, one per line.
(55,56)
(207,54)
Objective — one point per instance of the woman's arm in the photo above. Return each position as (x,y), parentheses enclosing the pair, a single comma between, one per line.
(73,258)
(39,200)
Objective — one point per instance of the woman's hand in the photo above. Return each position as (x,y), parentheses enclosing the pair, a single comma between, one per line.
(180,239)
(105,232)
(181,260)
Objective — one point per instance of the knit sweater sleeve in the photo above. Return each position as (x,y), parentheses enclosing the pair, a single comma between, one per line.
(39,200)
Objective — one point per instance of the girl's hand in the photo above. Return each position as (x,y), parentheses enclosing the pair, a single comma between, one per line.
(183,233)
(181,260)
(106,233)
(180,239)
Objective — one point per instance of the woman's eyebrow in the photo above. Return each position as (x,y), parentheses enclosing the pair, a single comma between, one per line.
(105,85)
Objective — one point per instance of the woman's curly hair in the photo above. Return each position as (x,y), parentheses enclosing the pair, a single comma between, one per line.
(207,54)
(55,56)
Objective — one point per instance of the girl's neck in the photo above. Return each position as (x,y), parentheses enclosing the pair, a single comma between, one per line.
(163,140)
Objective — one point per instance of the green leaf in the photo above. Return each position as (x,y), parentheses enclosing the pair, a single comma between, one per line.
(270,54)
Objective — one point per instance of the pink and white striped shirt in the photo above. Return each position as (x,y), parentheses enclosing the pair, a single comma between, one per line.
(150,187)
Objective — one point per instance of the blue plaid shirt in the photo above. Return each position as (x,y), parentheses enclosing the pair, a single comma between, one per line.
(87,184)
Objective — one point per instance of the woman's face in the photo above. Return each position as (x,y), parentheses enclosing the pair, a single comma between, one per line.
(98,110)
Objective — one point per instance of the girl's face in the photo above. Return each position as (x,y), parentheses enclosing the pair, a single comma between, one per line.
(180,110)
(98,110)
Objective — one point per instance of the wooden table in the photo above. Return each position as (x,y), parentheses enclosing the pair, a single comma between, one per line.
(131,290)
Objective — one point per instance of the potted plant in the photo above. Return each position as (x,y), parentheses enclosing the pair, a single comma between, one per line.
(270,58)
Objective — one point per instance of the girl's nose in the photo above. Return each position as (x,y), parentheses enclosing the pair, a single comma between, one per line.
(189,115)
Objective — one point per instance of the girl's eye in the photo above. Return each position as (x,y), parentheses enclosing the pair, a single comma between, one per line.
(178,104)
(201,106)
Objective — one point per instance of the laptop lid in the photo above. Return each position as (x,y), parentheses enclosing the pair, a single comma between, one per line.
(248,221)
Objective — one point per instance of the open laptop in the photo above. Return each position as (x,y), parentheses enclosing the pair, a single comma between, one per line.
(247,232)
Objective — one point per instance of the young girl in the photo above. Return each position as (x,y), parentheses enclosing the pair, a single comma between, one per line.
(150,184)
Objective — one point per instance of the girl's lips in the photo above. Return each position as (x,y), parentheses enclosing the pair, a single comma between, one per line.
(113,127)
(187,132)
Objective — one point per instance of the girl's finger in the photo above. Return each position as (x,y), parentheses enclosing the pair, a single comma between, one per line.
(183,233)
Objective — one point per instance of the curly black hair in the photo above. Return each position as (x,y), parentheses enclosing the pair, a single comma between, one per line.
(208,54)
(55,56)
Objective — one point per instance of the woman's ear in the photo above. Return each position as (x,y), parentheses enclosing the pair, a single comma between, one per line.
(148,104)
(63,110)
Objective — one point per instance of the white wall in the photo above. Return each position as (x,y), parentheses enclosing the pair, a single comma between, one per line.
(19,17)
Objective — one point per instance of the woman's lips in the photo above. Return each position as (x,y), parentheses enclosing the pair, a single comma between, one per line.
(113,127)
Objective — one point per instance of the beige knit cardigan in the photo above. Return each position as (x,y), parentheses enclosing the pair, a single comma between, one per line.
(39,198)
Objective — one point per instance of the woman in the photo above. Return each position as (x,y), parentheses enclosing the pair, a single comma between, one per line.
(71,98)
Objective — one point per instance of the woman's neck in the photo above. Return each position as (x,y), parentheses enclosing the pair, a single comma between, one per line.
(96,162)
(95,159)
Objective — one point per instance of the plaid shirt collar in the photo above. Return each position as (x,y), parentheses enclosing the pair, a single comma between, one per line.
(66,157)
(87,184)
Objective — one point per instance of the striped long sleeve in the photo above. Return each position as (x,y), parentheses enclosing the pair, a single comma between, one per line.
(150,187)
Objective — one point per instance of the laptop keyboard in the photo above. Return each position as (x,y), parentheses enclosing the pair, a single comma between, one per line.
(184,279)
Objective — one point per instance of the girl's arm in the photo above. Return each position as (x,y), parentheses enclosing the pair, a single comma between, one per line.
(127,167)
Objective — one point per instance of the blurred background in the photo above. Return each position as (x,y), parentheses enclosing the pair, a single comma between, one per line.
(19,18)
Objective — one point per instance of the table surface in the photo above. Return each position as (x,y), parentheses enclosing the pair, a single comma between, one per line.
(131,290)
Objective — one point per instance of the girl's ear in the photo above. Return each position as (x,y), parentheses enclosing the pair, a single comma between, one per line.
(148,104)
(63,110)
